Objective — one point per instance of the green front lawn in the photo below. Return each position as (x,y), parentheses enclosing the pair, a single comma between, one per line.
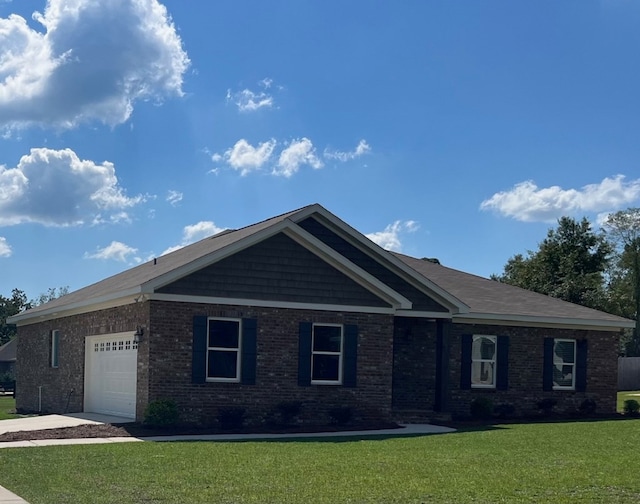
(532,463)
(7,407)
(623,396)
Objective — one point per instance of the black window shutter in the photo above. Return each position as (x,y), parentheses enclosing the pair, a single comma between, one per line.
(502,371)
(547,370)
(199,350)
(465,370)
(304,354)
(350,369)
(581,365)
(249,351)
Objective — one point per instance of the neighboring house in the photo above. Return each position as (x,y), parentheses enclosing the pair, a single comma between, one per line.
(304,307)
(8,357)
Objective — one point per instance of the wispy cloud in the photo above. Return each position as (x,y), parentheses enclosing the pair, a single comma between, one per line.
(57,188)
(391,237)
(5,249)
(116,251)
(195,232)
(529,203)
(362,148)
(174,197)
(249,101)
(91,61)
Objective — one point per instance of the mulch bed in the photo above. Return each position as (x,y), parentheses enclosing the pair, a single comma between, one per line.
(138,430)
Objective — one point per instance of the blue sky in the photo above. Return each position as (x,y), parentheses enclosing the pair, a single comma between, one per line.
(458,130)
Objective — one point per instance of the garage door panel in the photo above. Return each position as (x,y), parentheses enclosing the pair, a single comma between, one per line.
(111,375)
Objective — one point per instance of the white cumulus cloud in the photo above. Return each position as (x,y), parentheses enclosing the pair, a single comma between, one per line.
(297,153)
(246,158)
(529,203)
(116,251)
(195,232)
(89,60)
(5,249)
(362,148)
(57,188)
(390,237)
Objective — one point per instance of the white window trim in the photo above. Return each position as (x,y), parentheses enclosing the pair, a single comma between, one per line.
(340,354)
(225,349)
(494,360)
(553,364)
(54,361)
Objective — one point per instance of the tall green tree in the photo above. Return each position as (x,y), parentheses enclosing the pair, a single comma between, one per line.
(11,306)
(623,230)
(569,264)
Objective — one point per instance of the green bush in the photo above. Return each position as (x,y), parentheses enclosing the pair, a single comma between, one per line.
(482,408)
(547,405)
(231,418)
(631,407)
(340,415)
(588,406)
(161,413)
(288,411)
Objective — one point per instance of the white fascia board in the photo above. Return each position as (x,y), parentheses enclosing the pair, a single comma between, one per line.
(342,264)
(101,303)
(262,303)
(365,244)
(218,255)
(550,322)
(424,314)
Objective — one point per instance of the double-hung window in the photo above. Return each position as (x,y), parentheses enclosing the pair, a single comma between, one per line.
(483,361)
(223,350)
(326,354)
(564,364)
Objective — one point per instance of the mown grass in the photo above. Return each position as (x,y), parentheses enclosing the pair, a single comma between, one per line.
(627,394)
(572,462)
(7,407)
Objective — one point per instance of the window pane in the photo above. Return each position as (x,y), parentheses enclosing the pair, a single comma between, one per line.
(563,375)
(482,373)
(222,364)
(224,333)
(326,367)
(564,352)
(327,338)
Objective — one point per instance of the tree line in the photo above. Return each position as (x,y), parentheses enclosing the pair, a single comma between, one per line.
(598,269)
(18,302)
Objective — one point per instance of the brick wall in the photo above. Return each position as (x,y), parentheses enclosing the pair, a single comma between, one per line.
(63,387)
(170,349)
(526,367)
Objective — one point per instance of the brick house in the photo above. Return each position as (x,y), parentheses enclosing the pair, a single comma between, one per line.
(304,307)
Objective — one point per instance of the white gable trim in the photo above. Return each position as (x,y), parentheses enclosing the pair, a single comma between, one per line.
(550,322)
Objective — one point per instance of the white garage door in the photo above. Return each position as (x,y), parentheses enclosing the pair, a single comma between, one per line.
(110,376)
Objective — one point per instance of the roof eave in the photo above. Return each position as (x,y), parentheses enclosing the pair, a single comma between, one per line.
(539,321)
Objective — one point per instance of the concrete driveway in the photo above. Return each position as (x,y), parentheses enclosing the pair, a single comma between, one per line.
(57,421)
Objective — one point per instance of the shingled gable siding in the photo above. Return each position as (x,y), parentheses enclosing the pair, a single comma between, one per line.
(275,269)
(526,364)
(420,300)
(414,365)
(276,364)
(63,387)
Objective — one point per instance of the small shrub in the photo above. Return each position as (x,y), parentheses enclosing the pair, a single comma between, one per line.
(161,413)
(340,415)
(588,406)
(631,407)
(289,411)
(481,408)
(547,405)
(231,418)
(504,410)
